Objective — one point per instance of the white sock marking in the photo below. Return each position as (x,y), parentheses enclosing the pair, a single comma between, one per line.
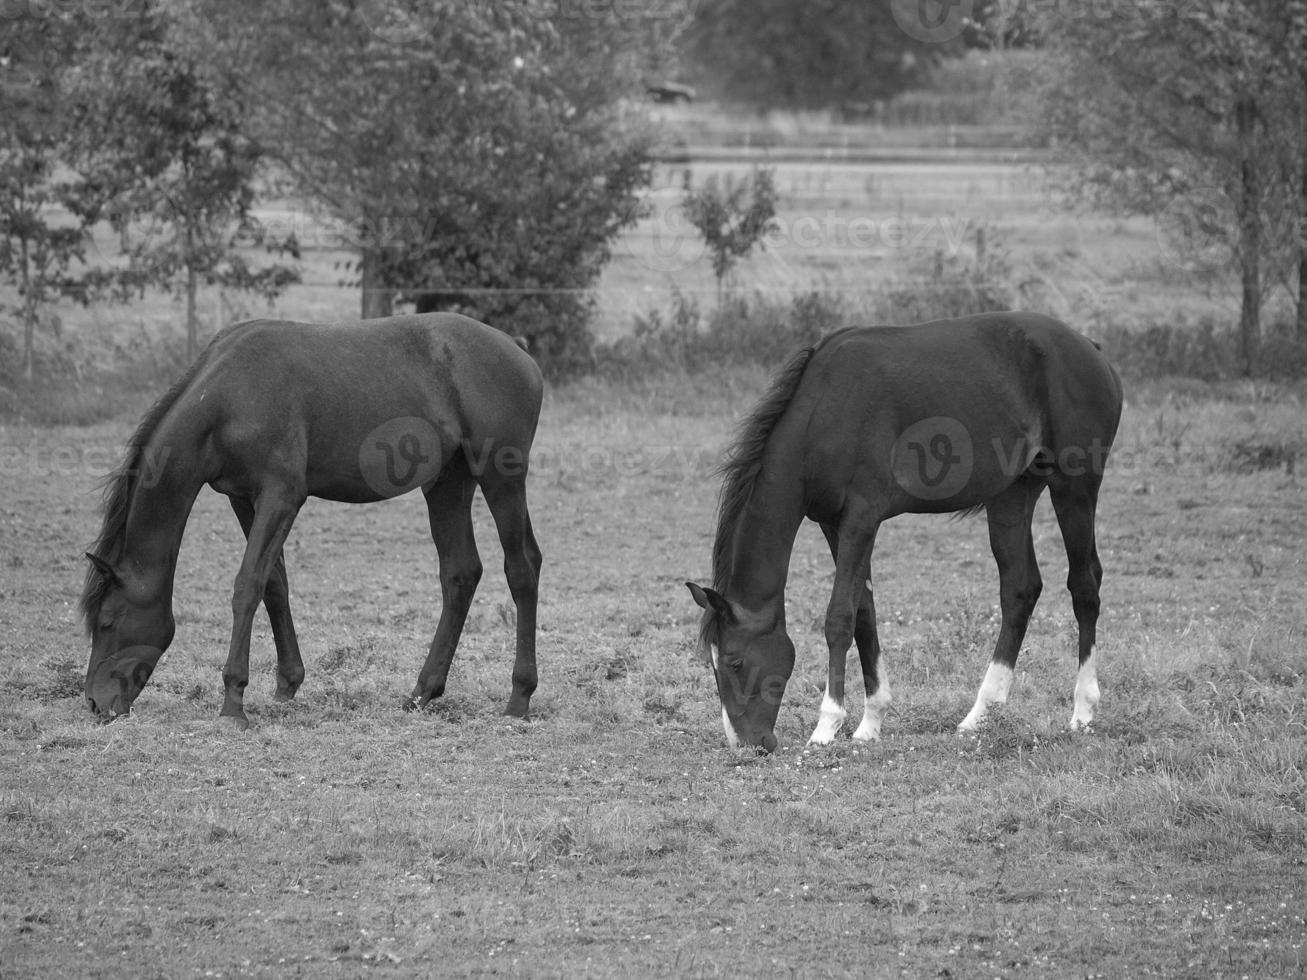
(1086,691)
(993,690)
(873,712)
(727,727)
(832,717)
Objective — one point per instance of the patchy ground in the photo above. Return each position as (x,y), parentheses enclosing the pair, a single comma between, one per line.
(614,833)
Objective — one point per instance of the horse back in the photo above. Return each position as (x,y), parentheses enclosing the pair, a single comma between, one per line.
(987,393)
(322,396)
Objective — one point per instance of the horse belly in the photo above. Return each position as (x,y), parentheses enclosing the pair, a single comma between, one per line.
(395,457)
(959,459)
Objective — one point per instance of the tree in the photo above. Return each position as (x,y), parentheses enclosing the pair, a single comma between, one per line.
(733,216)
(1162,106)
(801,54)
(164,155)
(39,242)
(480,148)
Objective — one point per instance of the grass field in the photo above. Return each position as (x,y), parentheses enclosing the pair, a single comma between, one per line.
(614,833)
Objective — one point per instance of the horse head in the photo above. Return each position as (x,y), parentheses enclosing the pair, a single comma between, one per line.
(752,658)
(130,628)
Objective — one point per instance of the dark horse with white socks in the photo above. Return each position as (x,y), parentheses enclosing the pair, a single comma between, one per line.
(977,413)
(272,413)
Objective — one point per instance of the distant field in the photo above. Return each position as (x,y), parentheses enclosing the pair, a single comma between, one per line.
(859,208)
(853,226)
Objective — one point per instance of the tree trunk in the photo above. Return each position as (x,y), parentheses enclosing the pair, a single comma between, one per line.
(191,327)
(1301,326)
(1250,229)
(378,297)
(29,309)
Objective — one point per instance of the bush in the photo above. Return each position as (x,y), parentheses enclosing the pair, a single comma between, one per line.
(756,329)
(954,285)
(743,330)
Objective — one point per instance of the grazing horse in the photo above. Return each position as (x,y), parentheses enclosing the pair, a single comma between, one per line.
(982,412)
(274,412)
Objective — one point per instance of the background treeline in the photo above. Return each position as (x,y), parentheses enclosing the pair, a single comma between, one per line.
(470,147)
(496,152)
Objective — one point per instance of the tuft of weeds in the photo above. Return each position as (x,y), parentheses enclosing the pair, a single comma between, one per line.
(1004,734)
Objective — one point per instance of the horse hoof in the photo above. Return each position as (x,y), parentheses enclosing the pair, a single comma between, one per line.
(237,723)
(516,710)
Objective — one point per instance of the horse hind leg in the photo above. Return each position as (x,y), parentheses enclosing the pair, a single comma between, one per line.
(276,600)
(449,510)
(1075,516)
(522,561)
(1020,584)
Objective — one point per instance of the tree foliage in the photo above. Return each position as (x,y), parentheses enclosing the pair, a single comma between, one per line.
(165,157)
(481,148)
(1193,112)
(806,54)
(38,243)
(733,216)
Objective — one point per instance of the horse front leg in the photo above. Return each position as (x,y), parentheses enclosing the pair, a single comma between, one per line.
(276,600)
(876,700)
(274,513)
(851,548)
(875,685)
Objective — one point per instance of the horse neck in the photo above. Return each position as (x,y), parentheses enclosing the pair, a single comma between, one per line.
(764,539)
(167,481)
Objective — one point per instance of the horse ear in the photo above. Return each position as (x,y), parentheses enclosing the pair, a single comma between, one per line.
(711,599)
(102,566)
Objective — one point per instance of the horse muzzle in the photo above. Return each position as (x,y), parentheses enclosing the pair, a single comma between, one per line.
(115,684)
(107,712)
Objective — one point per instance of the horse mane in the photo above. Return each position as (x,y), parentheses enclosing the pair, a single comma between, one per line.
(739,472)
(119,487)
(743,460)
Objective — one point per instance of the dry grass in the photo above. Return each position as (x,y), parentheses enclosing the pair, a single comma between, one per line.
(614,833)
